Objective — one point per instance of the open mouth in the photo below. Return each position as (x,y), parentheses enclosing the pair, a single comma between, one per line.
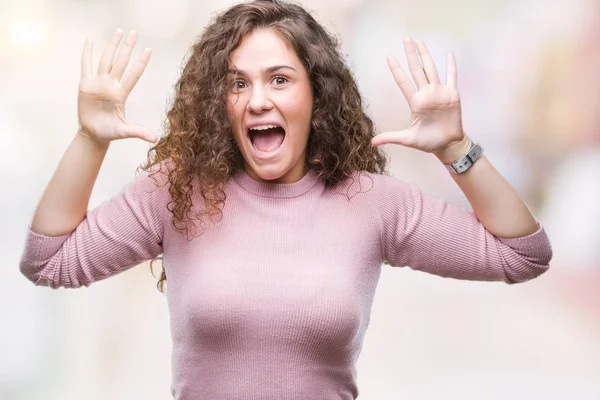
(266,138)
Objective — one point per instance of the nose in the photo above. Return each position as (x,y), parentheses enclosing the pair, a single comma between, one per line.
(259,101)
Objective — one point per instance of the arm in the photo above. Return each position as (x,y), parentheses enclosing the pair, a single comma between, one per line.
(437,128)
(64,246)
(118,234)
(495,202)
(101,113)
(64,202)
(432,233)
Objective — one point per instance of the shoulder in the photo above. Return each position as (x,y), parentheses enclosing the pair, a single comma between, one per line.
(372,185)
(151,184)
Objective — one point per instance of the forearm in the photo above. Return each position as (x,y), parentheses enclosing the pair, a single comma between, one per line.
(495,202)
(64,202)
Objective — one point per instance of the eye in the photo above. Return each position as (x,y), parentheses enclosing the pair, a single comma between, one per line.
(238,85)
(280,80)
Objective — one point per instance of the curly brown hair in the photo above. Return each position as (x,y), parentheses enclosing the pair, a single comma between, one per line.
(199,144)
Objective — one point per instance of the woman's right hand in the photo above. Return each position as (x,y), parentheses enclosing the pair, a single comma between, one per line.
(102,96)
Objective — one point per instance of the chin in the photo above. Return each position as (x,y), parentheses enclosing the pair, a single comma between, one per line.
(270,172)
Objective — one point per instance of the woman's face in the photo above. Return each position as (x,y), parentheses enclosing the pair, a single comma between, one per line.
(270,105)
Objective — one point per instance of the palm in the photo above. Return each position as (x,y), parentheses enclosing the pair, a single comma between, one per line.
(102,105)
(102,96)
(436,112)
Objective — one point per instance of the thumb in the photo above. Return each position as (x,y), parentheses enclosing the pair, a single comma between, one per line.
(136,131)
(404,138)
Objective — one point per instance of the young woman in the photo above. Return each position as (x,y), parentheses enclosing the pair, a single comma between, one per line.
(268,201)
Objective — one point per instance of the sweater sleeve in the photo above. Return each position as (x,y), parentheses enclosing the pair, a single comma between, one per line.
(120,233)
(427,234)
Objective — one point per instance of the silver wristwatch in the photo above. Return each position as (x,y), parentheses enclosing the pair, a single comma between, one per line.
(465,162)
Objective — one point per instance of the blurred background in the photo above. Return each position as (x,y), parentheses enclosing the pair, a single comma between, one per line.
(529,78)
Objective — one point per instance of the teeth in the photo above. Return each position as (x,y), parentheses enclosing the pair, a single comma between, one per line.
(263,127)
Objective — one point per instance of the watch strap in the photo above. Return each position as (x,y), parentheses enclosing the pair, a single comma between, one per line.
(465,162)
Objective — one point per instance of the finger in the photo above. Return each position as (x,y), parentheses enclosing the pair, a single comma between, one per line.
(86,59)
(405,85)
(404,138)
(137,69)
(124,56)
(414,64)
(109,52)
(429,67)
(136,131)
(451,74)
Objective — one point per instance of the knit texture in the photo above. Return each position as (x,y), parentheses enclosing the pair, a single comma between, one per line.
(273,300)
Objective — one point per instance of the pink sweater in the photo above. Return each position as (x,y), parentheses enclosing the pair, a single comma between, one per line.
(273,301)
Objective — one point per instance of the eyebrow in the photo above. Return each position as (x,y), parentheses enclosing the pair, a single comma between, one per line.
(268,70)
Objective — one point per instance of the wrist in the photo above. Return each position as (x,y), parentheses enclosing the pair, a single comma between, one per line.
(89,140)
(454,151)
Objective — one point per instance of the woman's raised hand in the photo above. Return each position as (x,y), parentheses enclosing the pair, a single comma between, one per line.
(102,95)
(436,112)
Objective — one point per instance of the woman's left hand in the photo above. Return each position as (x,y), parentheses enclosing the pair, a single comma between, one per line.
(436,114)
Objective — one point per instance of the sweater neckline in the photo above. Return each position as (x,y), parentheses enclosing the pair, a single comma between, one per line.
(277,190)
